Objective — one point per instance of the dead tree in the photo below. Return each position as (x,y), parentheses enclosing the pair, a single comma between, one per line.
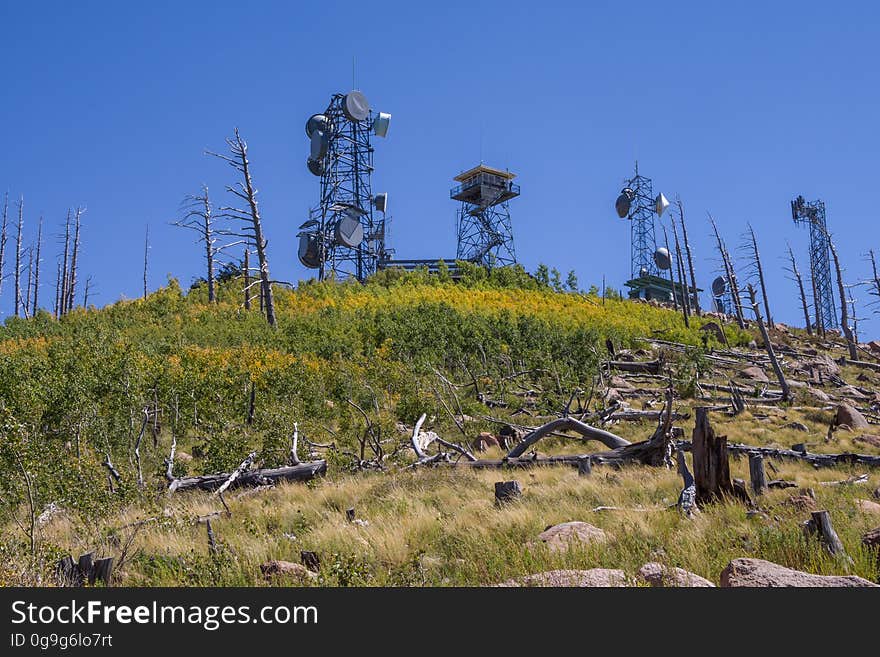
(671,279)
(730,273)
(759,269)
(36,299)
(18,298)
(874,283)
(690,259)
(30,282)
(247,279)
(681,277)
(62,295)
(86,292)
(844,310)
(58,285)
(146,255)
(252,231)
(199,217)
(711,465)
(3,237)
(800,282)
(74,258)
(786,391)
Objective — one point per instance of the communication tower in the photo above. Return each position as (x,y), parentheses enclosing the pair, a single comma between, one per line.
(813,214)
(345,234)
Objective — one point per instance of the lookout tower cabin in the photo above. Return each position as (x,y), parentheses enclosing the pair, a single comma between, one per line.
(484,186)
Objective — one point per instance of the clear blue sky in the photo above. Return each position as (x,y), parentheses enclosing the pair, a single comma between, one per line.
(738,108)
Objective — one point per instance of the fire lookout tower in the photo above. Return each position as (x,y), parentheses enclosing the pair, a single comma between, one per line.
(483,227)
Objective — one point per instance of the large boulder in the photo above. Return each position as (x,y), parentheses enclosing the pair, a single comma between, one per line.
(484,441)
(656,574)
(868,506)
(753,373)
(713,329)
(278,568)
(567,534)
(619,383)
(760,573)
(594,577)
(851,417)
(819,395)
(873,441)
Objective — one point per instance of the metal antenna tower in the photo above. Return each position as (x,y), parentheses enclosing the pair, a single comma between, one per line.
(344,237)
(643,241)
(483,227)
(813,214)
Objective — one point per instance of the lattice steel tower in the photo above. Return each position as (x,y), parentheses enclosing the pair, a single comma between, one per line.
(813,214)
(345,234)
(483,227)
(643,241)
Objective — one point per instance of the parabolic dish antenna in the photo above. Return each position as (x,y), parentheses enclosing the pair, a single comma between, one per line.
(662,259)
(624,201)
(660,204)
(309,253)
(316,122)
(381,202)
(719,286)
(355,106)
(319,144)
(349,231)
(315,166)
(380,125)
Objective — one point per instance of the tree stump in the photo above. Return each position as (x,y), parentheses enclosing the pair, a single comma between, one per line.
(756,473)
(820,524)
(585,467)
(349,514)
(507,491)
(711,466)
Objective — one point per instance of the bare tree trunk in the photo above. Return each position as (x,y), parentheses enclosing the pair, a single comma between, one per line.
(199,217)
(146,254)
(247,280)
(36,303)
(86,293)
(671,279)
(760,269)
(800,282)
(58,286)
(71,292)
(682,281)
(786,392)
(209,245)
(875,280)
(731,275)
(844,311)
(62,305)
(687,248)
(3,237)
(251,216)
(18,298)
(30,282)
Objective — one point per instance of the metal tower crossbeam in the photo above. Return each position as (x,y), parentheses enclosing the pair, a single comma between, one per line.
(813,214)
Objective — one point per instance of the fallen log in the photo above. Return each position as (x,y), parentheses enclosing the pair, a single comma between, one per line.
(567,424)
(301,472)
(630,414)
(860,363)
(818,460)
(647,367)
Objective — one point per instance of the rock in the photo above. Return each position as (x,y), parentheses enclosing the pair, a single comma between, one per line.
(871,539)
(402,429)
(753,344)
(825,365)
(863,377)
(594,577)
(759,573)
(753,373)
(820,395)
(183,457)
(656,574)
(276,568)
(797,426)
(619,383)
(867,506)
(560,537)
(848,415)
(484,441)
(802,502)
(874,346)
(612,395)
(712,328)
(852,392)
(873,441)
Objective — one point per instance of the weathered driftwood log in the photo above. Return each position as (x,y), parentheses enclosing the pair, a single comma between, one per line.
(819,460)
(567,424)
(632,414)
(711,466)
(301,472)
(646,367)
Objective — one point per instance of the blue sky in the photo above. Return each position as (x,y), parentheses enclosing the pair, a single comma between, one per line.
(737,107)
